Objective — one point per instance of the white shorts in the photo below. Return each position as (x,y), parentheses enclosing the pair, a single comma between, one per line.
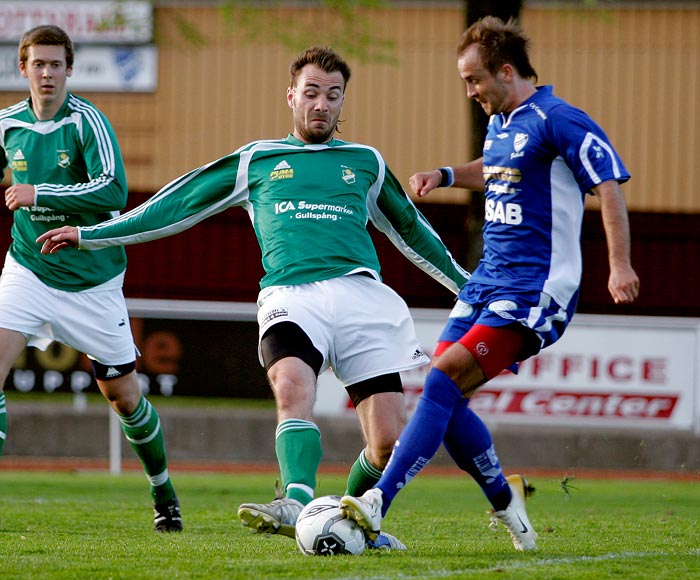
(94,321)
(362,327)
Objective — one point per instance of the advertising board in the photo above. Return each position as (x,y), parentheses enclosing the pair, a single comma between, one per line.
(619,371)
(606,370)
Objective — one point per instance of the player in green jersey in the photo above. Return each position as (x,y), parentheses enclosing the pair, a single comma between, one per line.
(322,303)
(67,169)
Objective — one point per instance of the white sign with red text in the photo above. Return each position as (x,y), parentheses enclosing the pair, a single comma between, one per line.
(606,370)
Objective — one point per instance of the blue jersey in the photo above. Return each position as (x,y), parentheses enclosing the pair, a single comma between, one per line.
(540,160)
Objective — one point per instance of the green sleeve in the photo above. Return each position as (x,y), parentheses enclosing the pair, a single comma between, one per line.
(394,214)
(178,206)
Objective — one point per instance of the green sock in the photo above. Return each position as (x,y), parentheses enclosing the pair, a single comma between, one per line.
(298,449)
(3,421)
(143,431)
(363,475)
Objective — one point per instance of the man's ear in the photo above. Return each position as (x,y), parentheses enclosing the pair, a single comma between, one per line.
(507,72)
(22,69)
(290,97)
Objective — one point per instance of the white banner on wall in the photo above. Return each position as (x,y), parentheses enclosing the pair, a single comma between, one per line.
(96,21)
(614,371)
(96,68)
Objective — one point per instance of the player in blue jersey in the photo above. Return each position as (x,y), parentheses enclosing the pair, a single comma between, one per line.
(67,169)
(540,159)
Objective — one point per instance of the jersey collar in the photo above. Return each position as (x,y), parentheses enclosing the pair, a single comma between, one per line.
(292,140)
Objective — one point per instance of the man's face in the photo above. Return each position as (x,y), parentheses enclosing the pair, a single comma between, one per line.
(47,72)
(492,92)
(316,102)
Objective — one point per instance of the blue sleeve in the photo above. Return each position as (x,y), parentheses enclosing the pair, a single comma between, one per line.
(585,148)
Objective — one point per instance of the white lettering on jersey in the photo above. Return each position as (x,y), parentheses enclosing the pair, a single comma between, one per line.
(539,111)
(505,213)
(501,188)
(284,206)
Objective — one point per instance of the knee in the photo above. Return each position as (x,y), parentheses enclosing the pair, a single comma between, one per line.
(286,391)
(378,454)
(379,448)
(124,403)
(293,397)
(123,394)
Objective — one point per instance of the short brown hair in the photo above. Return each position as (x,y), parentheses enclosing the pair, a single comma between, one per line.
(324,58)
(499,43)
(46,34)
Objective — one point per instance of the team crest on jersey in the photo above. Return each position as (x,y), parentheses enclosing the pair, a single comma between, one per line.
(519,143)
(348,174)
(282,171)
(63,159)
(19,163)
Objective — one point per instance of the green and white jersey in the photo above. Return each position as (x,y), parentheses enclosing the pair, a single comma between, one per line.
(309,205)
(75,165)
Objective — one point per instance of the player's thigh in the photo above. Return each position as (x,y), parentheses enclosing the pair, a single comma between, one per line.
(287,339)
(282,310)
(539,313)
(97,324)
(12,344)
(374,332)
(27,305)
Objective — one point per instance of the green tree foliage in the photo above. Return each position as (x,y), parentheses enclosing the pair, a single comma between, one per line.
(346,26)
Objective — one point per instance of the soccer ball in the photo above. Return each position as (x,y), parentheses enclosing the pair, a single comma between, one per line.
(322,531)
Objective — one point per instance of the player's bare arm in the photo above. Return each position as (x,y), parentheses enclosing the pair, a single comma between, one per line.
(57,239)
(19,195)
(623,283)
(467,176)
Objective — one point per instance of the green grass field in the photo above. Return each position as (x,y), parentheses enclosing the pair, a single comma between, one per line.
(92,525)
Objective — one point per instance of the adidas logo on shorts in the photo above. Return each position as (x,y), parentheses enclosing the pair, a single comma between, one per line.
(418,354)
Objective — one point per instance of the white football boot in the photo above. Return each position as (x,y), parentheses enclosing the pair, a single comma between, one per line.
(366,510)
(277,517)
(514,517)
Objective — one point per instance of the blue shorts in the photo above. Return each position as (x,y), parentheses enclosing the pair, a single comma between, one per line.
(500,306)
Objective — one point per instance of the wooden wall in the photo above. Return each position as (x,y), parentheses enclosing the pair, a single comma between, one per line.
(637,71)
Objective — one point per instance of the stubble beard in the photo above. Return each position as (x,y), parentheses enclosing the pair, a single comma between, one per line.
(316,137)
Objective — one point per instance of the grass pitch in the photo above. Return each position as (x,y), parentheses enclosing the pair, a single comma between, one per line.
(92,525)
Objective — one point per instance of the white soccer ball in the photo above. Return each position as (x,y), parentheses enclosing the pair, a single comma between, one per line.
(322,531)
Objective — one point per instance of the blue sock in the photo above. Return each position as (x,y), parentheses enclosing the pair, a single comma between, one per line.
(422,437)
(469,443)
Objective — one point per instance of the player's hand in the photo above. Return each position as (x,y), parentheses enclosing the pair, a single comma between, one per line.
(424,182)
(19,195)
(623,285)
(55,240)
